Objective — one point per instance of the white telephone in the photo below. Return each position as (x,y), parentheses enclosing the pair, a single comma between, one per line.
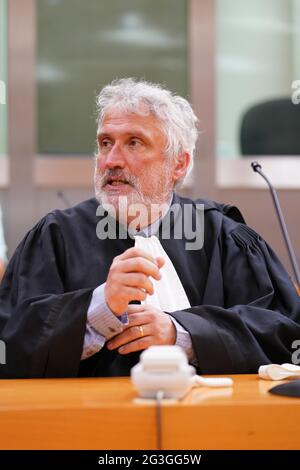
(166,369)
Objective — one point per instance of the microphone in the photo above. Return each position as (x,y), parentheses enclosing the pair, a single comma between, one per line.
(257,168)
(61,195)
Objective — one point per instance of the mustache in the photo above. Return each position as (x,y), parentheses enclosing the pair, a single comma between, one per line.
(118,174)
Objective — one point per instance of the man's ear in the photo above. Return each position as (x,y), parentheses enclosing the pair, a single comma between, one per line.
(181,166)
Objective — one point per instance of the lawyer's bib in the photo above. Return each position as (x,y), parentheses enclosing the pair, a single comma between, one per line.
(169,294)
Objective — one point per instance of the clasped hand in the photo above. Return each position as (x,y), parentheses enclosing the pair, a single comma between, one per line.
(128,280)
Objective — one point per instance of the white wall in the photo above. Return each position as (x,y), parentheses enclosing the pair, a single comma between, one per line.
(296,39)
(3,72)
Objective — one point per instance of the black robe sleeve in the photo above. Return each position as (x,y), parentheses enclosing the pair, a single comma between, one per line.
(42,326)
(260,318)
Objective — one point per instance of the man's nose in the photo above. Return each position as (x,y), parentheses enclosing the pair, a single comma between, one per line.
(115,158)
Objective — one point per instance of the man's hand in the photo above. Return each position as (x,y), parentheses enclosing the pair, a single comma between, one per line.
(128,278)
(147,326)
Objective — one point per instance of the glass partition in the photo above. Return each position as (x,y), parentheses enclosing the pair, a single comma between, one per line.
(83,45)
(258,65)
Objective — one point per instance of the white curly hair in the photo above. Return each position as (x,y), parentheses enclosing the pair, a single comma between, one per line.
(179,122)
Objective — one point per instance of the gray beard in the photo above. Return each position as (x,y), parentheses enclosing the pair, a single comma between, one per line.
(144,210)
(161,196)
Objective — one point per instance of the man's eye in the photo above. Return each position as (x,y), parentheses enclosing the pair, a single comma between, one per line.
(105,143)
(134,142)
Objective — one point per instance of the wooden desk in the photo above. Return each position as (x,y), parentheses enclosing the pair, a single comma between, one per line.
(100,414)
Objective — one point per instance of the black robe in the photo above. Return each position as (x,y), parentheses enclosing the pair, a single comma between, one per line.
(245,311)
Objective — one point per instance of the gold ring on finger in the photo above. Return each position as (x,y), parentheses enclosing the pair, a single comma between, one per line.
(141,331)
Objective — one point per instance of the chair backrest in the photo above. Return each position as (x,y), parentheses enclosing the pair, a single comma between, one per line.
(271,128)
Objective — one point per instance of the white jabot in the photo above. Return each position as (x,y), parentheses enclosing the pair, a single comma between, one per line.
(169,294)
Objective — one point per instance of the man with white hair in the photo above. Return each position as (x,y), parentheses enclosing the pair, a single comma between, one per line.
(90,287)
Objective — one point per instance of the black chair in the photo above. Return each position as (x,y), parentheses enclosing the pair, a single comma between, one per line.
(271,128)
